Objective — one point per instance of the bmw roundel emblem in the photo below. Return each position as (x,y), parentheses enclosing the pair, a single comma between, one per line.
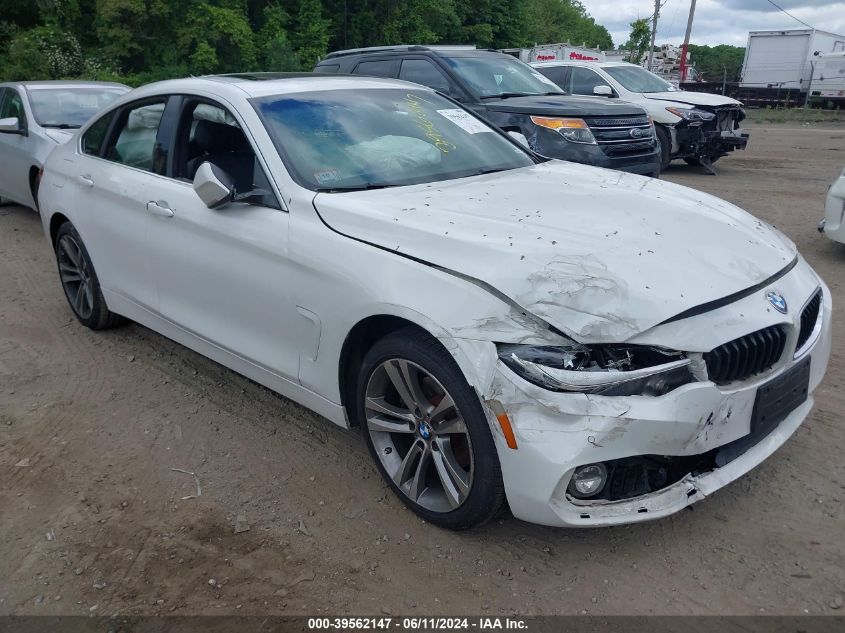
(777,301)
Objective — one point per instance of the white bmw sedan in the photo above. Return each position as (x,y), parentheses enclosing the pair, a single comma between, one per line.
(591,347)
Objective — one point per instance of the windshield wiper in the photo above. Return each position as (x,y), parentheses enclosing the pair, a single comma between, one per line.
(363,187)
(509,95)
(61,126)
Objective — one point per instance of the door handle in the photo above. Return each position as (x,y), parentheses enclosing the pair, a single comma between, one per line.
(160,208)
(85,180)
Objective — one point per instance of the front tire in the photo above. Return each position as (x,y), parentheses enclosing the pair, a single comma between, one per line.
(665,142)
(79,281)
(427,432)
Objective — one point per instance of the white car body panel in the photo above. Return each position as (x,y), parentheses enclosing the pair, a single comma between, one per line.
(833,224)
(476,261)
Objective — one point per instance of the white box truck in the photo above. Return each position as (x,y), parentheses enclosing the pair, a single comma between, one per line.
(784,59)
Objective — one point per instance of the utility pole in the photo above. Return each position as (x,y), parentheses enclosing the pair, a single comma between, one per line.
(653,33)
(686,42)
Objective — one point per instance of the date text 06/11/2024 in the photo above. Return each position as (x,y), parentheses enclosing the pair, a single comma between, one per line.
(415,624)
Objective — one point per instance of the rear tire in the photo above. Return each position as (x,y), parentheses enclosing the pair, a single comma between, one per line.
(665,142)
(427,432)
(80,283)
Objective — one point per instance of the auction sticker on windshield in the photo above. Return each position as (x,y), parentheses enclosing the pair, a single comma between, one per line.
(464,120)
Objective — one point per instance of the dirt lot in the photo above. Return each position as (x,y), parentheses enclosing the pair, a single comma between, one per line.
(95,521)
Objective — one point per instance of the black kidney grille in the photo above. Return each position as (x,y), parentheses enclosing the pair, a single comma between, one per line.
(747,356)
(809,317)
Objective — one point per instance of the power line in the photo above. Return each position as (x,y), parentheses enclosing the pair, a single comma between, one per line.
(777,6)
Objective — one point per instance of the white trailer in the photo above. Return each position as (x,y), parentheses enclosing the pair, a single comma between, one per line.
(784,59)
(564,53)
(829,78)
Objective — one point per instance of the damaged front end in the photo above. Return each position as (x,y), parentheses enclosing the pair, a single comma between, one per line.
(704,134)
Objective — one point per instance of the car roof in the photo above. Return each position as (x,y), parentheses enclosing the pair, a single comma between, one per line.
(580,62)
(251,85)
(387,51)
(67,83)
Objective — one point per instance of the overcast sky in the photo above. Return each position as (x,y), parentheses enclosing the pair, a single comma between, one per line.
(717,21)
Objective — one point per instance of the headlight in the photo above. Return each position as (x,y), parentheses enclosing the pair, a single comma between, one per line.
(608,370)
(693,114)
(574,130)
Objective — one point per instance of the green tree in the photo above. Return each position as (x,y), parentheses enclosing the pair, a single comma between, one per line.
(218,39)
(713,62)
(312,33)
(275,52)
(639,40)
(549,21)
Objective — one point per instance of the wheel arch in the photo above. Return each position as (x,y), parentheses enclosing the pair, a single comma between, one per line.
(56,221)
(363,335)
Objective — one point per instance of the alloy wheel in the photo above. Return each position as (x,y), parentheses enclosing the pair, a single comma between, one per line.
(419,435)
(75,275)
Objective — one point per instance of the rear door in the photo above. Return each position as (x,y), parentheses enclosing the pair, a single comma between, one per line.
(223,274)
(121,155)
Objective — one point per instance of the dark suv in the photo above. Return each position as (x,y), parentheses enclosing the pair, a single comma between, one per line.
(517,98)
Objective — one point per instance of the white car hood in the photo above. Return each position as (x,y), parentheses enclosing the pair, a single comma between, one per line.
(691,98)
(601,255)
(57,135)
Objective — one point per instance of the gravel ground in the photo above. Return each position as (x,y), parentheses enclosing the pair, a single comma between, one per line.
(95,520)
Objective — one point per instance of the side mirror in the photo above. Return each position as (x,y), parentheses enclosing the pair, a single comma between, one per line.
(10,125)
(603,91)
(519,138)
(214,186)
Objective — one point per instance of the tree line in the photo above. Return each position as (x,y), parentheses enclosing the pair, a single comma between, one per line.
(138,41)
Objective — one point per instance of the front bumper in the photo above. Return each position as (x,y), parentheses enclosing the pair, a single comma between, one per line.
(553,145)
(697,141)
(558,432)
(833,224)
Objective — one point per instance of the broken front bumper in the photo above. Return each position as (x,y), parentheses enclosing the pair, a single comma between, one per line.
(698,141)
(556,433)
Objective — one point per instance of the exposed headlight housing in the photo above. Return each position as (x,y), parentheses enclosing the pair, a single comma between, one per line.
(608,370)
(573,130)
(692,114)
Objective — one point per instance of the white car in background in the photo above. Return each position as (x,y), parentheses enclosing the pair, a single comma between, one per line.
(35,116)
(595,347)
(833,224)
(697,127)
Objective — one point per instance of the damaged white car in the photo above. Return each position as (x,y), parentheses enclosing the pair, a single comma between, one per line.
(591,346)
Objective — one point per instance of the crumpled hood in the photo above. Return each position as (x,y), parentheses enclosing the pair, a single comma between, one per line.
(692,98)
(564,105)
(59,136)
(601,255)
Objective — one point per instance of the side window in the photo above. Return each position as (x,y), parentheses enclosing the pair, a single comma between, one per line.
(556,73)
(383,68)
(327,68)
(12,106)
(422,71)
(584,80)
(209,133)
(135,142)
(92,141)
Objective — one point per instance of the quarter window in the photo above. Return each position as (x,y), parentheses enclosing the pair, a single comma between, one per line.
(422,71)
(92,141)
(135,143)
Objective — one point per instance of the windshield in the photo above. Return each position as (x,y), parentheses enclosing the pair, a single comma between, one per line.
(638,79)
(359,139)
(501,75)
(70,107)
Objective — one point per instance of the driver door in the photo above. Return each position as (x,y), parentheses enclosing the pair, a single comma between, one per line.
(222,274)
(15,150)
